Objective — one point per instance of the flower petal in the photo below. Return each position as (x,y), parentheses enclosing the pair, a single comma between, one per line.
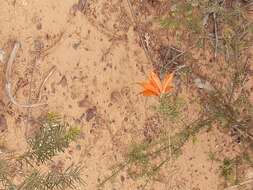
(168,89)
(149,93)
(167,83)
(148,86)
(156,82)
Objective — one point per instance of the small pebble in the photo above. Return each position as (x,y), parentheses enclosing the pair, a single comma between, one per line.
(91,113)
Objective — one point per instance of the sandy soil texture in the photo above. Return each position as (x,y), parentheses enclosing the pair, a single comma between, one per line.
(96,54)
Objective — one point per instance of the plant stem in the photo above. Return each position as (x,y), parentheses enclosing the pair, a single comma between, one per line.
(114,173)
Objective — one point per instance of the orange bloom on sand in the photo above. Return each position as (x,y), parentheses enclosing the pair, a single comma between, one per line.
(154,86)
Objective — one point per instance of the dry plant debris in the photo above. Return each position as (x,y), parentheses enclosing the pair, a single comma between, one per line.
(195,134)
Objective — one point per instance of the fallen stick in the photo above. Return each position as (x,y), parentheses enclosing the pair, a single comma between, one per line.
(146,51)
(51,71)
(216,35)
(8,85)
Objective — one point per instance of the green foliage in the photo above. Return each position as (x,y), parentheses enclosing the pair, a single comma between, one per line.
(198,17)
(183,14)
(140,159)
(169,23)
(219,108)
(143,155)
(228,169)
(3,170)
(170,107)
(33,181)
(248,159)
(138,153)
(228,113)
(72,134)
(52,138)
(227,106)
(212,156)
(5,175)
(53,179)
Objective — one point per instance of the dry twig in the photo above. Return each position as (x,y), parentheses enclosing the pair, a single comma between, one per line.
(216,34)
(138,32)
(242,132)
(240,184)
(8,85)
(50,73)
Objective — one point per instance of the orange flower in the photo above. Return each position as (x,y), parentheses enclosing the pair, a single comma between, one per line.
(154,86)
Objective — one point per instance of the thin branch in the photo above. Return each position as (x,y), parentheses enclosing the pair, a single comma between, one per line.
(243,133)
(50,73)
(240,184)
(138,32)
(8,85)
(38,96)
(174,58)
(30,97)
(216,34)
(8,79)
(114,173)
(10,62)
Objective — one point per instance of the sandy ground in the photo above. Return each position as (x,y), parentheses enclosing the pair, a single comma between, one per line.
(98,60)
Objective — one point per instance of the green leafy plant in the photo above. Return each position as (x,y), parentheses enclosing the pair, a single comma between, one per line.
(184,15)
(5,174)
(52,138)
(228,169)
(53,179)
(170,106)
(226,29)
(142,155)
